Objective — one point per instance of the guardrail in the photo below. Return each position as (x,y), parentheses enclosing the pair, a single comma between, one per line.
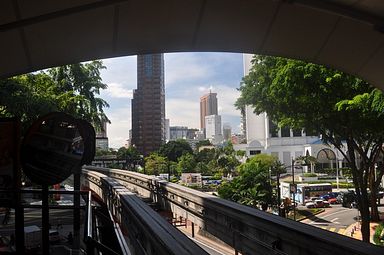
(248,230)
(147,232)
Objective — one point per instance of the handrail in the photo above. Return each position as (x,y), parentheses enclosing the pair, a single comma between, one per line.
(146,229)
(225,218)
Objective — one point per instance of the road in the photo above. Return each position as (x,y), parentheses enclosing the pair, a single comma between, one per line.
(33,217)
(335,219)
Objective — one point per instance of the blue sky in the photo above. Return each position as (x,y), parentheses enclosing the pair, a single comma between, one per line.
(188,76)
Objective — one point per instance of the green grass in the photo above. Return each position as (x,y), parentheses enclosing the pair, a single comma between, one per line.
(302,214)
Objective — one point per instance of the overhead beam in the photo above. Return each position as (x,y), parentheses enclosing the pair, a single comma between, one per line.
(57,14)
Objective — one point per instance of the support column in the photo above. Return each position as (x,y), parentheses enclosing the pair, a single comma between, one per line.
(76,213)
(45,220)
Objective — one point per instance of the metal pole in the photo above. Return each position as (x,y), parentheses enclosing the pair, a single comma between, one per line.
(193,229)
(294,191)
(45,220)
(337,174)
(278,192)
(169,171)
(19,210)
(76,212)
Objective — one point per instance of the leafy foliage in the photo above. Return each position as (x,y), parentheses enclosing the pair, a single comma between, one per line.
(187,163)
(253,185)
(340,107)
(71,89)
(84,80)
(156,164)
(173,150)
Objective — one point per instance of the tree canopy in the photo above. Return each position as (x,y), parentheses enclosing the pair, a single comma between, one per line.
(71,89)
(173,150)
(344,110)
(156,164)
(253,185)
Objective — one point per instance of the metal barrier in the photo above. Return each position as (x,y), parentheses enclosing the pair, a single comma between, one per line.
(248,230)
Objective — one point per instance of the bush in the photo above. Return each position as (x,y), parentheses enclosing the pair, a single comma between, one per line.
(347,172)
(378,237)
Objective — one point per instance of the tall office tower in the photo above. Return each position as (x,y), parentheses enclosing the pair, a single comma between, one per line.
(208,106)
(148,104)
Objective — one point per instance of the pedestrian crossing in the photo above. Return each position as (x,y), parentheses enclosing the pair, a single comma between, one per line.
(340,231)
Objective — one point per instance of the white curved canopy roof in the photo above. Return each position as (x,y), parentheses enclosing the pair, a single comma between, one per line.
(345,34)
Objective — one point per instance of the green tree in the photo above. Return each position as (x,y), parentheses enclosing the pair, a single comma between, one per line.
(253,185)
(226,159)
(84,80)
(187,163)
(131,155)
(156,164)
(338,106)
(28,97)
(205,155)
(173,150)
(203,143)
(202,168)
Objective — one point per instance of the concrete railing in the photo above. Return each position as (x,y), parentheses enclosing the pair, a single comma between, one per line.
(248,230)
(146,231)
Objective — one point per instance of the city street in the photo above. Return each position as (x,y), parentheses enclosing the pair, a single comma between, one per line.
(335,219)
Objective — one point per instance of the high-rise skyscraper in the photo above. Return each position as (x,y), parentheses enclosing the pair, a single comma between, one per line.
(148,104)
(208,106)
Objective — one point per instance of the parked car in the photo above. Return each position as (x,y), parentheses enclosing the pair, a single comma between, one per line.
(333,201)
(319,203)
(310,205)
(347,198)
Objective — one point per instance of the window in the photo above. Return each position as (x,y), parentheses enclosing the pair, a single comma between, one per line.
(285,132)
(311,133)
(273,131)
(254,152)
(296,132)
(148,65)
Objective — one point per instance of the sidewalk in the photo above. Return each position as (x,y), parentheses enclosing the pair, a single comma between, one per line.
(354,231)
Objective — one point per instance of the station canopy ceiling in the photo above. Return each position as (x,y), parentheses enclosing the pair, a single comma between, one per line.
(344,34)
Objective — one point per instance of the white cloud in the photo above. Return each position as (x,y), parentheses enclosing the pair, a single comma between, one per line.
(183,112)
(180,70)
(118,130)
(117,90)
